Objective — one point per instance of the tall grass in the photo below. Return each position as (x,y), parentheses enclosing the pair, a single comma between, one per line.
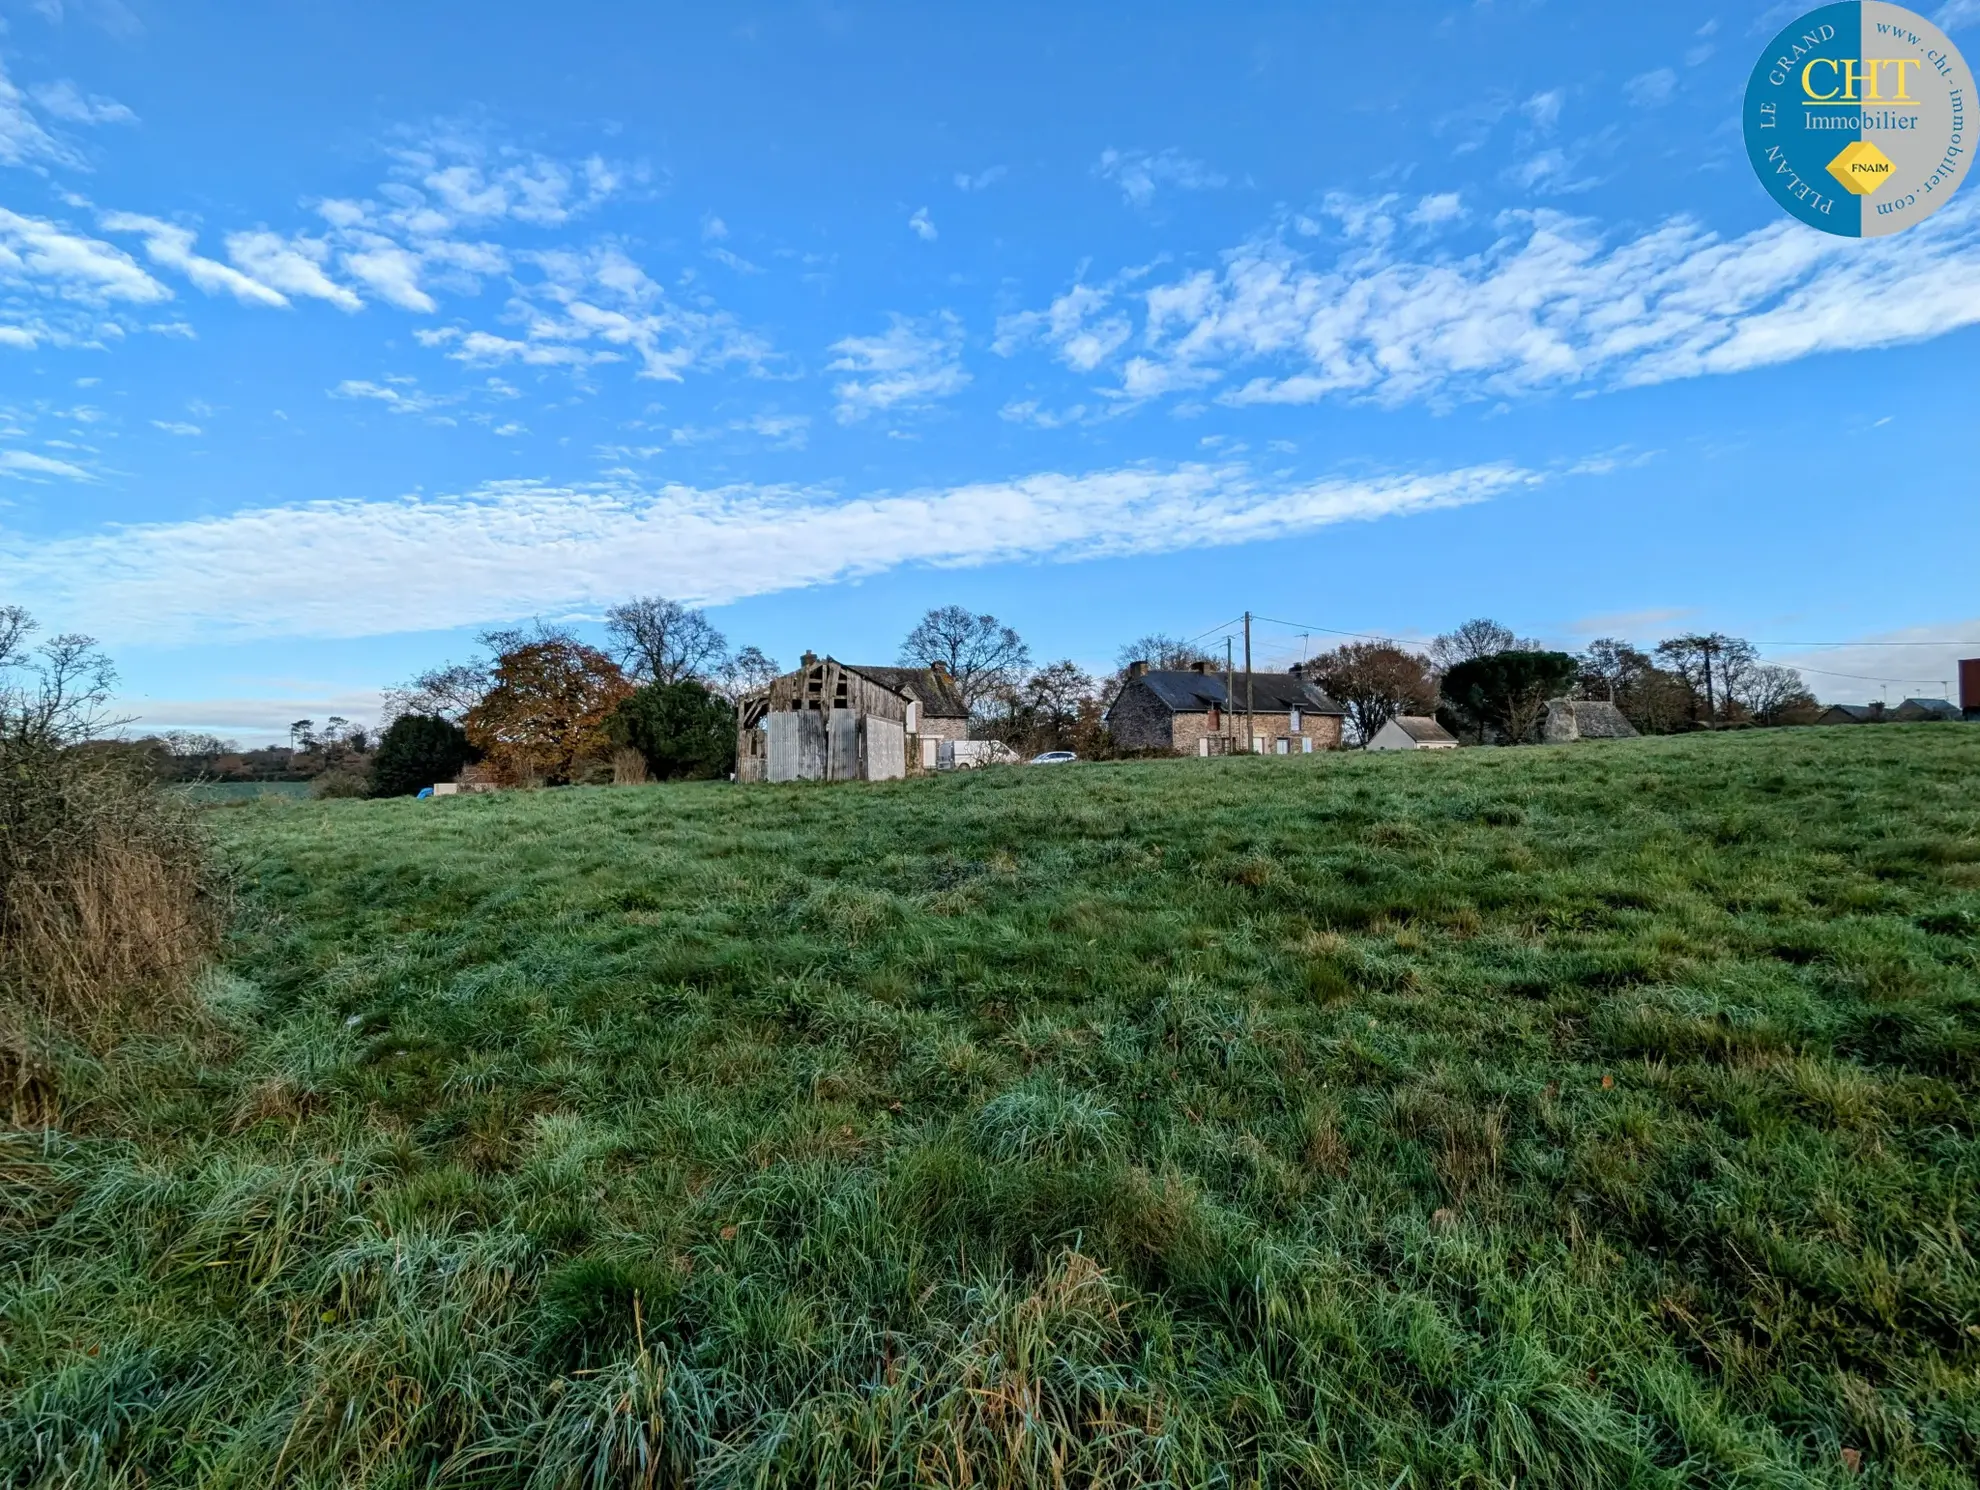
(1592,1116)
(107,910)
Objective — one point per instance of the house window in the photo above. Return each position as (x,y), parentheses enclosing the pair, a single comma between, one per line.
(1295,721)
(1216,717)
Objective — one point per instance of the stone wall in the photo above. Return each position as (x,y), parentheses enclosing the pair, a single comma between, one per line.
(1138,720)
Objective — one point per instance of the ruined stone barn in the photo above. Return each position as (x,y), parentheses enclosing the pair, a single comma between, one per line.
(1188,711)
(824,722)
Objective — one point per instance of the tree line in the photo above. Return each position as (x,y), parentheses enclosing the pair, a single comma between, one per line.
(656,701)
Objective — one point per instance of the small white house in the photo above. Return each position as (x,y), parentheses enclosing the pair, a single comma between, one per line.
(1412,732)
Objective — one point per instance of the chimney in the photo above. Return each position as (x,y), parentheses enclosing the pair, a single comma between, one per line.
(1138,668)
(1296,669)
(810,659)
(1969,687)
(939,668)
(1204,667)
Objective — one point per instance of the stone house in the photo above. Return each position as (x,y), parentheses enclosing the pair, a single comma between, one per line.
(1412,732)
(1186,711)
(936,713)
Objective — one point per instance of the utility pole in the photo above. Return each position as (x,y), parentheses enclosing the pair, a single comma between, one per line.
(1250,739)
(1230,699)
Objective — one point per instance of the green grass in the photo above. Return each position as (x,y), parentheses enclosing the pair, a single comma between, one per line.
(1597,1116)
(227,793)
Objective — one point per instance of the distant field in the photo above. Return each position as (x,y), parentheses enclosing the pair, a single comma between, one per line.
(1598,1115)
(244,791)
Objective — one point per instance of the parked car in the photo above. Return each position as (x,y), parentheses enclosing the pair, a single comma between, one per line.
(1053,758)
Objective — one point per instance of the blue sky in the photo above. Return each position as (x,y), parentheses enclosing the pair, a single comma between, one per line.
(330,334)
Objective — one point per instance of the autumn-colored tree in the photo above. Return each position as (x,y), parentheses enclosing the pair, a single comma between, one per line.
(544,714)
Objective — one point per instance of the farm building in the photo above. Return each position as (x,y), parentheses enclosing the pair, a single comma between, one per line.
(1584,719)
(1186,710)
(1412,732)
(824,722)
(936,713)
(1852,714)
(1918,710)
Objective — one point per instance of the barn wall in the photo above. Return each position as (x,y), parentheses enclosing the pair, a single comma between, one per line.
(886,750)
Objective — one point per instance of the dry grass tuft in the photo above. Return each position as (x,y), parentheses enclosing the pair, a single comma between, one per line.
(107,911)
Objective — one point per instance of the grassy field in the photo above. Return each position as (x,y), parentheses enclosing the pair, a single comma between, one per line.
(1599,1116)
(227,793)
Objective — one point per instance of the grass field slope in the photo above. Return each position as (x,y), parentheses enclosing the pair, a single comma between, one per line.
(1594,1116)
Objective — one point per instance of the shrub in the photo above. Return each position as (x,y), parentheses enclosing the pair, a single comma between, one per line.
(681,730)
(416,752)
(106,906)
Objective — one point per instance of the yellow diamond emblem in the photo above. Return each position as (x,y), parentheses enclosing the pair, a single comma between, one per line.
(1861,167)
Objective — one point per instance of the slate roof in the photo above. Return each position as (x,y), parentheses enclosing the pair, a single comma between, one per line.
(1852,713)
(1187,692)
(1927,708)
(1423,729)
(935,692)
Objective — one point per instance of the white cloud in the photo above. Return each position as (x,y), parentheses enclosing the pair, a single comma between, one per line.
(923,226)
(1553,303)
(453,177)
(485,349)
(713,229)
(293,265)
(908,366)
(177,427)
(171,247)
(25,464)
(400,395)
(780,431)
(982,179)
(1139,174)
(1078,326)
(391,273)
(36,252)
(23,137)
(356,568)
(1544,109)
(1432,211)
(63,100)
(1648,89)
(1958,13)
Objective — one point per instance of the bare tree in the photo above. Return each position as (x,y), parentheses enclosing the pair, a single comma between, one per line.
(1161,651)
(447,692)
(657,640)
(1708,662)
(1476,638)
(1773,694)
(182,742)
(748,670)
(982,654)
(54,694)
(1374,682)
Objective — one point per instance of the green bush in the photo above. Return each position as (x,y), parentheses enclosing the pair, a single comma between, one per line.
(684,732)
(416,752)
